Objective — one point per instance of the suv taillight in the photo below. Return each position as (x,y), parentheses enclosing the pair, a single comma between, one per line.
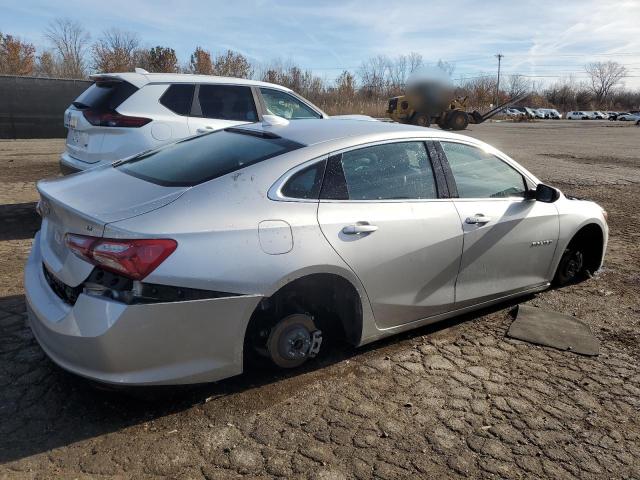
(134,258)
(110,118)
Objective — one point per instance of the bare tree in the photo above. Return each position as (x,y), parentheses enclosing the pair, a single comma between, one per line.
(446,67)
(70,41)
(200,62)
(517,85)
(415,61)
(117,51)
(374,74)
(604,76)
(16,56)
(398,70)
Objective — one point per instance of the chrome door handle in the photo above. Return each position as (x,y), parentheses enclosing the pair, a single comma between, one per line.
(358,228)
(478,219)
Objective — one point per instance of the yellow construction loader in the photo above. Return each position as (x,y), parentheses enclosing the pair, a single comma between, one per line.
(427,103)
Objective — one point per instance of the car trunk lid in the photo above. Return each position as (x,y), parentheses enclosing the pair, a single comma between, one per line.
(85,204)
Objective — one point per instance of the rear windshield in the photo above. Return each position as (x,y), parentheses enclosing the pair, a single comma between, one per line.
(105,95)
(199,159)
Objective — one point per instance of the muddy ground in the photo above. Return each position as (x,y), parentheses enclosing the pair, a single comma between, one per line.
(457,399)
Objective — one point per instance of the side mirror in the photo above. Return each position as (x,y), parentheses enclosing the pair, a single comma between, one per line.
(545,193)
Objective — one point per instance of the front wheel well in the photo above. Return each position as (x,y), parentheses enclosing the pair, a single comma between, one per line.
(590,240)
(330,299)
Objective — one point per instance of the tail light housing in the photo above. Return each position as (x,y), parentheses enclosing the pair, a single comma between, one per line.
(134,258)
(111,118)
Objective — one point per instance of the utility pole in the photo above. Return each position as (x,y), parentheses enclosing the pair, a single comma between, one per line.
(499,57)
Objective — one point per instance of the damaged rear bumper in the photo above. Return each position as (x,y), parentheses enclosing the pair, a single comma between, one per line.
(143,344)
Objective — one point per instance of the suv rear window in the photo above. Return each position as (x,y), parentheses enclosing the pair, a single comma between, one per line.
(105,95)
(199,159)
(178,98)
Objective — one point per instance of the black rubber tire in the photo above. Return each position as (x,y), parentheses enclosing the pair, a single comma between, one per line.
(276,339)
(457,120)
(421,120)
(571,268)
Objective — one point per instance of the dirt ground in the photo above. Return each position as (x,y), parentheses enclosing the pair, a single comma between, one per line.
(456,399)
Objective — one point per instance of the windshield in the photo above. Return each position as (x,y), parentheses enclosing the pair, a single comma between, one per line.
(205,157)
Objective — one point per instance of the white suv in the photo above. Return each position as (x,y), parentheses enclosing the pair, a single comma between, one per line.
(578,116)
(123,114)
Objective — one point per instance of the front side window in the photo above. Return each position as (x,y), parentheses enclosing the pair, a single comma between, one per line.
(286,106)
(390,171)
(227,102)
(205,157)
(479,174)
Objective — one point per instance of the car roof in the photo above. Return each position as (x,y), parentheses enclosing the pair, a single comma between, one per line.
(140,79)
(313,131)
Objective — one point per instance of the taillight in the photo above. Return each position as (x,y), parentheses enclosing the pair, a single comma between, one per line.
(110,118)
(134,259)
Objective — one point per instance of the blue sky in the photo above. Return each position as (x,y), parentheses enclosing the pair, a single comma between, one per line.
(543,39)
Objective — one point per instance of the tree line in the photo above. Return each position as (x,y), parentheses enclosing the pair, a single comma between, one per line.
(71,53)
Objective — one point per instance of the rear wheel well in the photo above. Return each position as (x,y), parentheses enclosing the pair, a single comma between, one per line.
(332,301)
(590,240)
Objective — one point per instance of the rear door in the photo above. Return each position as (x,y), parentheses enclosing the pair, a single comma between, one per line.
(219,106)
(383,208)
(509,241)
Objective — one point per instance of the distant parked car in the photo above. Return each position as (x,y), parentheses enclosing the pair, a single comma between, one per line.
(512,112)
(539,113)
(629,117)
(527,111)
(123,114)
(578,115)
(598,115)
(551,113)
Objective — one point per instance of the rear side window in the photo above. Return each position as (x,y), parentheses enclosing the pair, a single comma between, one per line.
(227,102)
(205,157)
(306,183)
(178,98)
(105,95)
(385,172)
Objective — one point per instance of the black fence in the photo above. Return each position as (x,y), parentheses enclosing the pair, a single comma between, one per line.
(33,107)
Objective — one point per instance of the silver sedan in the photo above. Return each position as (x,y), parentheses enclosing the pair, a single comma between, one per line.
(269,240)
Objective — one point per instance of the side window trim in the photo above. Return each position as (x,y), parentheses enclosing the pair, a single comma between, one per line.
(451,181)
(196,110)
(258,102)
(335,180)
(439,171)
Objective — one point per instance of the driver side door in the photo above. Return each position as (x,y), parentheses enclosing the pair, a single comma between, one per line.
(508,239)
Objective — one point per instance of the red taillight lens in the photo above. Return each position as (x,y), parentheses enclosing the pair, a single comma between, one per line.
(102,118)
(135,258)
